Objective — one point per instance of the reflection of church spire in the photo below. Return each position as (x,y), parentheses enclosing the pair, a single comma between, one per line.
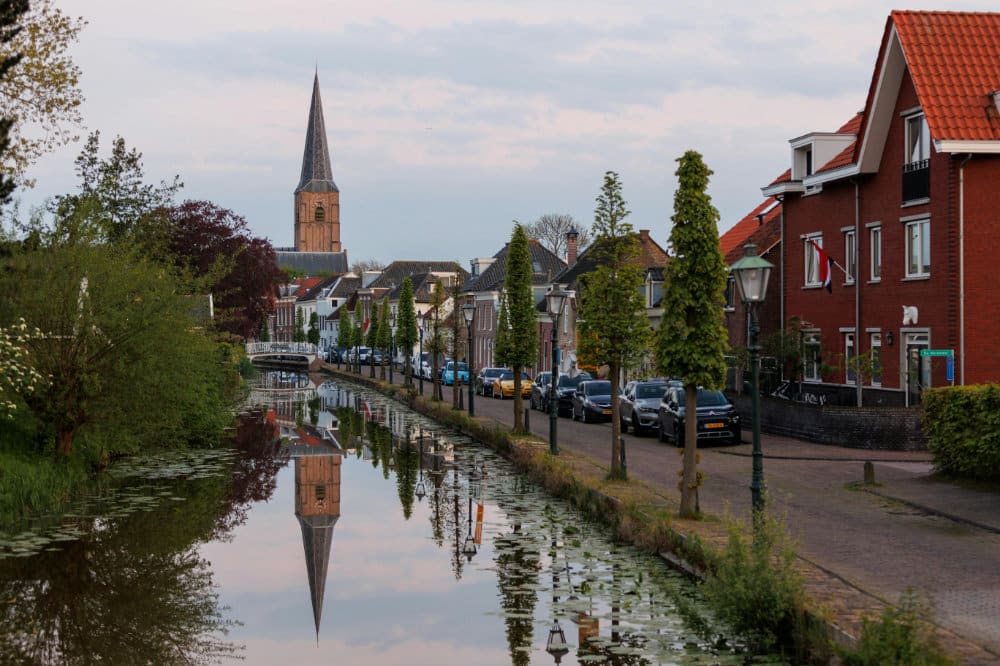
(317,506)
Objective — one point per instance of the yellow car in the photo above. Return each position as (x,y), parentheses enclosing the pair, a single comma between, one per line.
(503,385)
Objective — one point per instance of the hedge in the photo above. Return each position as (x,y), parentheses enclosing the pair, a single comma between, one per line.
(962,424)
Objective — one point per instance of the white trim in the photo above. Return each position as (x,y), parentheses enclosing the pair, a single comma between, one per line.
(915,202)
(912,110)
(844,230)
(869,225)
(966,146)
(873,329)
(913,218)
(879,116)
(833,174)
(784,187)
(846,329)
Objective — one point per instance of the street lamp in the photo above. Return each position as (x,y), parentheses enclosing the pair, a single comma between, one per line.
(469,312)
(554,300)
(752,273)
(469,548)
(392,352)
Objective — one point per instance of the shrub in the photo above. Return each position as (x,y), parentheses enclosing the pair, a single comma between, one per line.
(900,637)
(962,424)
(755,588)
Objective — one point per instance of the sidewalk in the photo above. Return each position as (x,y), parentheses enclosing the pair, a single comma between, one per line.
(864,545)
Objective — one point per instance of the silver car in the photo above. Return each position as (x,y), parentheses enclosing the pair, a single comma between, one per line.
(639,405)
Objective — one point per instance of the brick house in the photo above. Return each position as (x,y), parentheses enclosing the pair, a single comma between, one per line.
(903,198)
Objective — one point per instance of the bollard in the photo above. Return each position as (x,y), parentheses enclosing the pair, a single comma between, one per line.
(869,473)
(527,419)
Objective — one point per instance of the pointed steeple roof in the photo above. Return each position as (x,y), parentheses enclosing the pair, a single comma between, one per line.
(317,174)
(317,536)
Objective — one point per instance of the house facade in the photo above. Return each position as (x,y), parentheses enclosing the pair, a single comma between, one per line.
(889,223)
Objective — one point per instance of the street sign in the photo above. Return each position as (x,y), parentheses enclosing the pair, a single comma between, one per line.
(937,352)
(951,369)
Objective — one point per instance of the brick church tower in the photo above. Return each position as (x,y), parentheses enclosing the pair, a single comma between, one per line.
(317,199)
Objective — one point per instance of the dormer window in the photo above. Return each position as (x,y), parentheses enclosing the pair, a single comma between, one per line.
(802,165)
(916,160)
(918,139)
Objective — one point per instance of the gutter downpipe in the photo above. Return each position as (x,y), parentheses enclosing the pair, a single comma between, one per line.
(859,391)
(781,287)
(961,268)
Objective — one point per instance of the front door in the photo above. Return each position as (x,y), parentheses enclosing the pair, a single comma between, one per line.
(916,368)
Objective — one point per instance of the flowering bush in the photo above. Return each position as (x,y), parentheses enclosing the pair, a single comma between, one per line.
(17,376)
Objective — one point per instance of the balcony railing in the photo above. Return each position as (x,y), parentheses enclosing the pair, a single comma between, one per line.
(916,180)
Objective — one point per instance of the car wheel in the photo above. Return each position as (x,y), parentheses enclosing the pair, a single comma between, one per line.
(585,416)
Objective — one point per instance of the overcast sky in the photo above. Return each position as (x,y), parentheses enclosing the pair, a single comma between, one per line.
(447,120)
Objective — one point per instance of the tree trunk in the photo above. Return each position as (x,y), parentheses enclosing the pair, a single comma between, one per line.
(518,401)
(617,472)
(64,443)
(689,482)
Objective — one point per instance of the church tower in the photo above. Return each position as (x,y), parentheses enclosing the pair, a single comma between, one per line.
(317,199)
(317,506)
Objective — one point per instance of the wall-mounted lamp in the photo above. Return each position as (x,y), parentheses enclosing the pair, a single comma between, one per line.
(888,338)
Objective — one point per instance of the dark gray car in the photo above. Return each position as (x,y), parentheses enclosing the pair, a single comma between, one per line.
(717,417)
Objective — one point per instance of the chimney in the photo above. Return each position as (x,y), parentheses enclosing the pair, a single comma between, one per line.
(571,240)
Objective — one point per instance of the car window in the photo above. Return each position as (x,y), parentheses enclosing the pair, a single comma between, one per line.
(650,390)
(597,388)
(507,374)
(565,381)
(706,398)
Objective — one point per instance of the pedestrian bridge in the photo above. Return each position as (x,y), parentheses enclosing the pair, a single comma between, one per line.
(284,353)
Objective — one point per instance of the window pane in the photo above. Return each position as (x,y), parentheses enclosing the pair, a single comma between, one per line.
(912,250)
(925,247)
(876,250)
(849,255)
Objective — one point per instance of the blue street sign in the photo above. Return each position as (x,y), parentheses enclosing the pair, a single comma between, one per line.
(951,369)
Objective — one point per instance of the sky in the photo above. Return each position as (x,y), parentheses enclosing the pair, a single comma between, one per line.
(448,120)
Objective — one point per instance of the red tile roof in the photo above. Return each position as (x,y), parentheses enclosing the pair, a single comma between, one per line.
(954,61)
(785,177)
(740,232)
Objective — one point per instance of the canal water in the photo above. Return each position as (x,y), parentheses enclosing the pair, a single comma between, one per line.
(338,527)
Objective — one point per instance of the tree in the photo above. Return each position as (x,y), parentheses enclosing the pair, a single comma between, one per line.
(455,322)
(312,335)
(116,329)
(345,332)
(17,375)
(384,338)
(614,330)
(11,13)
(265,331)
(520,341)
(369,264)
(691,341)
(240,269)
(550,230)
(41,98)
(406,326)
(358,332)
(113,194)
(299,334)
(436,344)
(371,337)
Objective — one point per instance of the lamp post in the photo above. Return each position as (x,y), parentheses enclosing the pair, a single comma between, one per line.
(752,274)
(469,312)
(420,357)
(554,301)
(469,548)
(392,353)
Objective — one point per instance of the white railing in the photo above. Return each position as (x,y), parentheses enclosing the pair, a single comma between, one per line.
(254,348)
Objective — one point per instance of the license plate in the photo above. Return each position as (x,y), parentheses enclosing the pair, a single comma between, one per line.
(607,411)
(715,425)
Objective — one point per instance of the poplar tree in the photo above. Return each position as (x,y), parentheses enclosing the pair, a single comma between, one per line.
(436,344)
(406,326)
(358,333)
(299,334)
(519,347)
(384,339)
(691,341)
(344,333)
(614,330)
(371,337)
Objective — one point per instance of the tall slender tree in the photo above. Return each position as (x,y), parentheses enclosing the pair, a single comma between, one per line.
(520,342)
(406,326)
(614,330)
(312,336)
(371,337)
(299,334)
(691,341)
(344,333)
(437,345)
(358,334)
(384,338)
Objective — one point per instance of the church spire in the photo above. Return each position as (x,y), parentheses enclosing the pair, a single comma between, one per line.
(317,174)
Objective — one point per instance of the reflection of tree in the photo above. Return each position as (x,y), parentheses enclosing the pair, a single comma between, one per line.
(407,459)
(255,476)
(453,526)
(517,576)
(133,591)
(381,439)
(619,638)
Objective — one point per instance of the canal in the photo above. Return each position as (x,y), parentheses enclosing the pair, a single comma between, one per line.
(337,526)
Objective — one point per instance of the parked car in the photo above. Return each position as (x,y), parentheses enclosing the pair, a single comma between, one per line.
(717,417)
(565,387)
(376,357)
(592,401)
(639,405)
(484,380)
(540,390)
(455,371)
(503,385)
(359,355)
(421,367)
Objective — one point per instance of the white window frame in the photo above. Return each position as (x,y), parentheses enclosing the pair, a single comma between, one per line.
(875,253)
(812,342)
(810,277)
(850,252)
(730,293)
(918,239)
(875,345)
(917,146)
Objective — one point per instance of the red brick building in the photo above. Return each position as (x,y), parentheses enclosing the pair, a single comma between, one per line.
(905,199)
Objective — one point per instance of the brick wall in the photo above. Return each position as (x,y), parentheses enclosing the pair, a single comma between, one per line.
(881,428)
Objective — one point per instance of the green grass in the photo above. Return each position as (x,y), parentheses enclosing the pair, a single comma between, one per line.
(32,485)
